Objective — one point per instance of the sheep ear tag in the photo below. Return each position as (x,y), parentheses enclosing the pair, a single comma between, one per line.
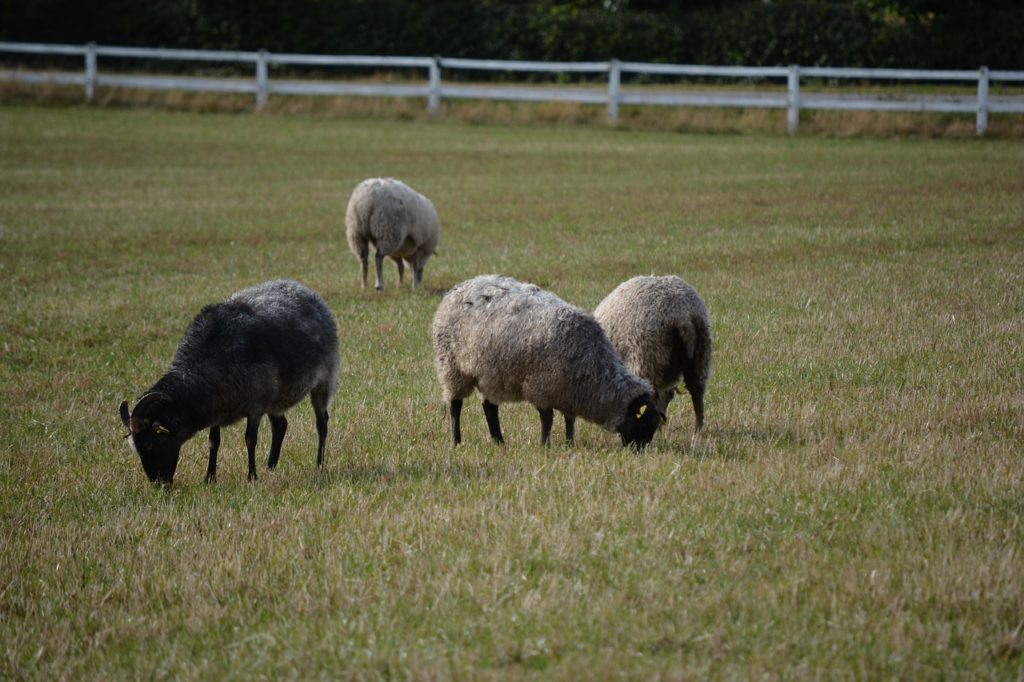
(641,411)
(664,419)
(160,429)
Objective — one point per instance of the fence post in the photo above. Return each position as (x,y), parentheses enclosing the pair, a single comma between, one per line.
(981,123)
(614,87)
(434,98)
(90,71)
(793,99)
(261,80)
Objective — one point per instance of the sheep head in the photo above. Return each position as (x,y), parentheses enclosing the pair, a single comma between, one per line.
(643,418)
(153,434)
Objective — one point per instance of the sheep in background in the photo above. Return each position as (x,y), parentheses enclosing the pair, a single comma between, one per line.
(260,352)
(661,329)
(400,222)
(514,341)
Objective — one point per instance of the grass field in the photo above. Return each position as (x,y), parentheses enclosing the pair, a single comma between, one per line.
(853,509)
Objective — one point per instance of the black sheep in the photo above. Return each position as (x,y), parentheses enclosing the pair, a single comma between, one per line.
(260,352)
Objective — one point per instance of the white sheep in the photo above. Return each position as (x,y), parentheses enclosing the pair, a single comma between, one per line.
(661,329)
(400,222)
(513,341)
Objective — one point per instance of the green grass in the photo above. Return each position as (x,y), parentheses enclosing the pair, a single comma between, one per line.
(853,510)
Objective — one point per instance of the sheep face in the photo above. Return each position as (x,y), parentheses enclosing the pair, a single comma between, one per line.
(153,436)
(643,418)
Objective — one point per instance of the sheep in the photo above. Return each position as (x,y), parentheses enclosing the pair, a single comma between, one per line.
(661,329)
(260,352)
(514,342)
(400,222)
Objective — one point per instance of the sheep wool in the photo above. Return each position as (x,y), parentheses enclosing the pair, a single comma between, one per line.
(513,341)
(661,329)
(260,352)
(398,221)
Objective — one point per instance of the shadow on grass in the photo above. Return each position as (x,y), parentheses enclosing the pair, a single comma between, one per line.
(742,442)
(435,291)
(362,473)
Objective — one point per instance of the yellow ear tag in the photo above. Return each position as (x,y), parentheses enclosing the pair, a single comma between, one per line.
(161,429)
(640,412)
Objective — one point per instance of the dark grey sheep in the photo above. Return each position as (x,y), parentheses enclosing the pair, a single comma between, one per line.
(260,352)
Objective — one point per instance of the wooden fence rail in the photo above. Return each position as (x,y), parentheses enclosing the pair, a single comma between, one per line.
(792,99)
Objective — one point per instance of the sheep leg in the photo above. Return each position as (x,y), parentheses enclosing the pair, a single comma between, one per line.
(252,428)
(278,427)
(698,407)
(547,418)
(570,428)
(211,467)
(696,389)
(417,271)
(378,262)
(493,423)
(364,260)
(321,436)
(665,397)
(455,409)
(319,398)
(401,270)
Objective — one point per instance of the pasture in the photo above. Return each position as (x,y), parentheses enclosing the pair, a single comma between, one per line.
(853,509)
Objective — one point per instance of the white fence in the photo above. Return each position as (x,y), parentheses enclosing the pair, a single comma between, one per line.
(792,99)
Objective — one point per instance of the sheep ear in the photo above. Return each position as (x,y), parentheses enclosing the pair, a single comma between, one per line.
(641,411)
(125,417)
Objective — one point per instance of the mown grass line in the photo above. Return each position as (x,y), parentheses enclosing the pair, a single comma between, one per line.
(852,510)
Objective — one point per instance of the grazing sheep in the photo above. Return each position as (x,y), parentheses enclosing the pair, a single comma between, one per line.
(660,328)
(400,222)
(514,341)
(260,352)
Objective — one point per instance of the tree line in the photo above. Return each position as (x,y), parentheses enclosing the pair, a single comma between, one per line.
(869,33)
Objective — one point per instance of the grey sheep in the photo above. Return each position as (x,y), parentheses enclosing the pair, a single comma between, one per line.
(400,222)
(513,341)
(260,352)
(661,329)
